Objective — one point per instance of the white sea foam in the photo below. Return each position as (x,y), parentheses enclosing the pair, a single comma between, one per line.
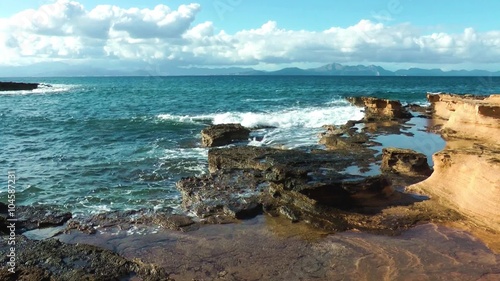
(312,117)
(309,117)
(290,128)
(186,118)
(185,159)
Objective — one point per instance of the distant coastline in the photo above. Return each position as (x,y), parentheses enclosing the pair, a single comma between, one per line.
(334,69)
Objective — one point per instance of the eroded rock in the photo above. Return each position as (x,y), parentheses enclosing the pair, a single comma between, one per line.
(223,134)
(466,173)
(301,186)
(379,109)
(404,161)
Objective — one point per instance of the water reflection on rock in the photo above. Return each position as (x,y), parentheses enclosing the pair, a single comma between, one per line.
(266,248)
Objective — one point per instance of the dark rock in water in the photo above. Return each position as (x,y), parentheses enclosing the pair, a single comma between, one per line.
(29,217)
(301,186)
(380,109)
(53,260)
(14,86)
(223,134)
(404,161)
(232,194)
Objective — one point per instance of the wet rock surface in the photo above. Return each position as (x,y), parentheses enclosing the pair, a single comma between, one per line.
(29,217)
(267,248)
(53,260)
(314,186)
(223,134)
(131,221)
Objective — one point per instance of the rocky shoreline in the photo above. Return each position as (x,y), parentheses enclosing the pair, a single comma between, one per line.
(354,184)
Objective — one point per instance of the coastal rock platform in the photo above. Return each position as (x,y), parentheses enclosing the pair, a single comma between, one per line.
(353,209)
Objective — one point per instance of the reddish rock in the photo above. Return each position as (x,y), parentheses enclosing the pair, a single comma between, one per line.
(379,109)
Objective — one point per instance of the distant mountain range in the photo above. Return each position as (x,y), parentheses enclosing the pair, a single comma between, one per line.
(56,69)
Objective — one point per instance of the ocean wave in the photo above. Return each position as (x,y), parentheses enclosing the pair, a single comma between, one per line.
(185,118)
(308,117)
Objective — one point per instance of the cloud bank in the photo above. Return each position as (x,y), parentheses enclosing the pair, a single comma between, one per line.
(66,30)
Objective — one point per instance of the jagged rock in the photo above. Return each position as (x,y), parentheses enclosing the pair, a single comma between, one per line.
(332,140)
(15,86)
(298,185)
(334,130)
(223,134)
(380,109)
(404,161)
(232,194)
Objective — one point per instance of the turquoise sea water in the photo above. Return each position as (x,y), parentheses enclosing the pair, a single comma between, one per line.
(105,143)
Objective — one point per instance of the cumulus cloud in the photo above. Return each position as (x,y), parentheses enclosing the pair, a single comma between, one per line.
(68,30)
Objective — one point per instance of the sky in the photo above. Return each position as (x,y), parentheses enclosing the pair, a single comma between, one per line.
(260,34)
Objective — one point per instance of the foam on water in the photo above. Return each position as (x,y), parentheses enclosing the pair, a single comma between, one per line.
(308,117)
(192,160)
(185,118)
(287,128)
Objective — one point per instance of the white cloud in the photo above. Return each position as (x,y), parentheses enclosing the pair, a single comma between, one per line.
(68,30)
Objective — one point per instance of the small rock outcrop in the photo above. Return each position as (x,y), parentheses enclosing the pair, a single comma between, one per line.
(380,109)
(223,134)
(404,161)
(15,86)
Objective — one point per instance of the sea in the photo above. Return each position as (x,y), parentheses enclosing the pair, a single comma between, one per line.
(96,144)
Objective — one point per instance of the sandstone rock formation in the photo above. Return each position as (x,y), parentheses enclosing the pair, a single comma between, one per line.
(380,109)
(223,134)
(14,86)
(404,161)
(467,172)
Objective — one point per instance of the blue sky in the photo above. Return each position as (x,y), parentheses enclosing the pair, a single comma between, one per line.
(261,34)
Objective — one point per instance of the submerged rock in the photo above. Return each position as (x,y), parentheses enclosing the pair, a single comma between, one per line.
(223,134)
(404,161)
